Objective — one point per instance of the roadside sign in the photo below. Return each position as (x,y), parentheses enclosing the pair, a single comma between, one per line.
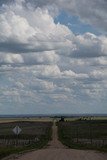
(17,130)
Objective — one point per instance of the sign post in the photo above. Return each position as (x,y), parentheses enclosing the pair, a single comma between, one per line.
(17,131)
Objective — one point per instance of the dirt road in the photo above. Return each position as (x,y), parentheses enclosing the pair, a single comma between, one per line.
(56,151)
(55,143)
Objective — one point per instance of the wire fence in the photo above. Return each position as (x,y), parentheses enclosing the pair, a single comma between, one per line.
(30,133)
(84,132)
(17,142)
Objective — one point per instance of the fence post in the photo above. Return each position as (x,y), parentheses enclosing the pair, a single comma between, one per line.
(77,134)
(90,131)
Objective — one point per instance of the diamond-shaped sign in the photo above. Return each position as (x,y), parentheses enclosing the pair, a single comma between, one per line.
(17,130)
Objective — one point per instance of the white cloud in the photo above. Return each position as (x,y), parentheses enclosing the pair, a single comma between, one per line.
(31,30)
(70,73)
(99,74)
(44,63)
(47,71)
(101,61)
(47,57)
(14,27)
(90,45)
(25,30)
(92,12)
(11,58)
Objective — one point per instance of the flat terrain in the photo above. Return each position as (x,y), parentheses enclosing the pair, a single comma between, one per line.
(32,119)
(56,151)
(29,128)
(84,134)
(34,135)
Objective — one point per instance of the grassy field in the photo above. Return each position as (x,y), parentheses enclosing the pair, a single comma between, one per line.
(87,134)
(35,119)
(34,135)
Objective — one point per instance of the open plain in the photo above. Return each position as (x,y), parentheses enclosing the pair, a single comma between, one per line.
(56,151)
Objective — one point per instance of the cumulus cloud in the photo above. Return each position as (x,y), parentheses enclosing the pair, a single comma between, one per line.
(85,46)
(11,58)
(99,74)
(90,45)
(45,63)
(40,58)
(48,84)
(45,58)
(21,33)
(70,73)
(92,12)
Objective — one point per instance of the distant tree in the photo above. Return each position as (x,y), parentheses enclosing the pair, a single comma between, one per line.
(62,119)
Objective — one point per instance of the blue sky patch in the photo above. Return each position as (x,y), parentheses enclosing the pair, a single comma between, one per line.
(74,24)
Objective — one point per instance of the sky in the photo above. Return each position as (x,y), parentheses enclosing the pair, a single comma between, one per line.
(53,56)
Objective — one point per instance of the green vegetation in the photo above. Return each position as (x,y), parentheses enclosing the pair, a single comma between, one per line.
(84,134)
(41,131)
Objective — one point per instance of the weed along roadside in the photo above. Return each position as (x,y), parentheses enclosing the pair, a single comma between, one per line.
(33,135)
